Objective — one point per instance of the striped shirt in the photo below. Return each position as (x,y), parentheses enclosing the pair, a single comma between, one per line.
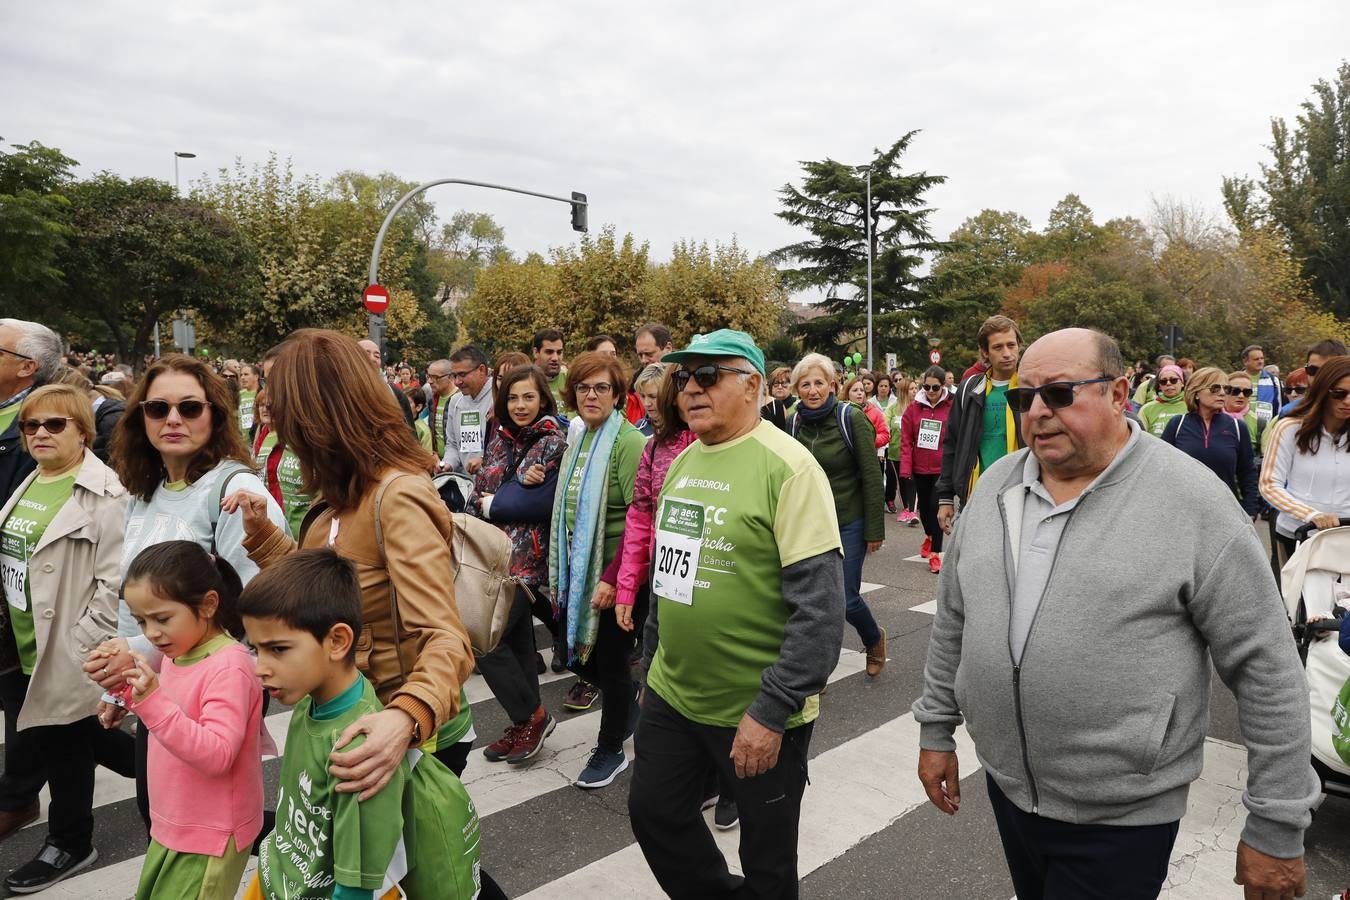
(1302,485)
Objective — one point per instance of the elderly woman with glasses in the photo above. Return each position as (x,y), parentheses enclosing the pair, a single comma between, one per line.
(781,401)
(595,489)
(1206,433)
(1168,402)
(60,552)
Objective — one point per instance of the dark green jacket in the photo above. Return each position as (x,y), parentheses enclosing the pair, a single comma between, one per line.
(855,477)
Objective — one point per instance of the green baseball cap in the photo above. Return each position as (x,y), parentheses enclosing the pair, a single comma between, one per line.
(722,342)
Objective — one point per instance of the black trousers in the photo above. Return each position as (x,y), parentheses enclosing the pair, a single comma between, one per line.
(926,485)
(1052,860)
(673,756)
(609,670)
(64,758)
(895,485)
(510,669)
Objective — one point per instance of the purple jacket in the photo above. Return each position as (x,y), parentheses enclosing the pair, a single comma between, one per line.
(635,556)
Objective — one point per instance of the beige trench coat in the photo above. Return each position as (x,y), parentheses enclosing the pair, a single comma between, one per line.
(74,577)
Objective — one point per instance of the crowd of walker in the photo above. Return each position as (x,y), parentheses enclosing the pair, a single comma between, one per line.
(184,548)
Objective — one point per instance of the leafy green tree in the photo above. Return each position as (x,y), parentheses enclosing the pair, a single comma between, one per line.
(33,224)
(1115,307)
(986,255)
(704,288)
(1305,190)
(1071,234)
(831,205)
(137,253)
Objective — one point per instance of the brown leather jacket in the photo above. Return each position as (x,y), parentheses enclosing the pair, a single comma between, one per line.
(422,673)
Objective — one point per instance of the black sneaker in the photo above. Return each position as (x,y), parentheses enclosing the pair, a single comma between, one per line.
(559,661)
(725,816)
(47,868)
(539,666)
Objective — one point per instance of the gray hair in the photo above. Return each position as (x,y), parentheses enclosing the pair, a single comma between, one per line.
(814,361)
(39,343)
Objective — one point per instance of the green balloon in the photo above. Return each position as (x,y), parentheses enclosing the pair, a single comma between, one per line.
(847,361)
(205,352)
(857,359)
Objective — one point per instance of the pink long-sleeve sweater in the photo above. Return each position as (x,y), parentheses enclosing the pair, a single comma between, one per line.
(636,553)
(205,756)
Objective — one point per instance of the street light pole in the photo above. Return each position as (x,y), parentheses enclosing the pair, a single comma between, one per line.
(868,213)
(177,155)
(375,321)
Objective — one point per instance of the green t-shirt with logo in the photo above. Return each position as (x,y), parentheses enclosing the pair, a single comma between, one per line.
(295,503)
(556,385)
(438,425)
(8,415)
(994,437)
(764,503)
(423,817)
(247,403)
(19,537)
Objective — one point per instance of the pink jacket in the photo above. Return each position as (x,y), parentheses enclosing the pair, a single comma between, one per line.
(205,760)
(878,420)
(916,459)
(635,555)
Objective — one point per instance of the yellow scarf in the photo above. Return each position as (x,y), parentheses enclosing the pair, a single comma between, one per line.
(1014,438)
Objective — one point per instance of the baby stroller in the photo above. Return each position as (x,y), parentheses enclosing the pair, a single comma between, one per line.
(1316,577)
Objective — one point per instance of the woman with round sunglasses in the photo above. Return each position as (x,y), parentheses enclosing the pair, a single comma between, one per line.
(595,489)
(1296,387)
(177,450)
(1168,402)
(1207,434)
(60,552)
(923,431)
(1306,473)
(849,460)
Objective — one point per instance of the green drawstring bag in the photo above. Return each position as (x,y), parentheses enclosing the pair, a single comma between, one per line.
(1340,723)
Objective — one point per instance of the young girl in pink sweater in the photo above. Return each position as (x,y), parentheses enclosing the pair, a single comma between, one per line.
(202,704)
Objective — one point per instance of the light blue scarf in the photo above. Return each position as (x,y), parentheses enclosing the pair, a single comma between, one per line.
(574,565)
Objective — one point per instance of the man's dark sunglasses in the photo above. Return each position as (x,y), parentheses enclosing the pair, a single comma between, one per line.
(1237,391)
(706,376)
(159,409)
(1055,395)
(1312,370)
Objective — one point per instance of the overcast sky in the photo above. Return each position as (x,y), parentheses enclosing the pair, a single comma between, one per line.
(680,122)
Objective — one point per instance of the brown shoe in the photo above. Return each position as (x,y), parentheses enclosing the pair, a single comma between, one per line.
(530,738)
(11,820)
(876,656)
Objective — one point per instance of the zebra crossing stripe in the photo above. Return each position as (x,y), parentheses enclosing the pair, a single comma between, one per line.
(850,798)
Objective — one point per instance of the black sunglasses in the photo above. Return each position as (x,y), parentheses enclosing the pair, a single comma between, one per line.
(1055,395)
(1338,394)
(1298,389)
(54,425)
(933,387)
(159,409)
(1312,370)
(706,376)
(1237,391)
(1169,381)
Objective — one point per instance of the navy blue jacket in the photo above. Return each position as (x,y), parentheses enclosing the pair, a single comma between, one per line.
(1226,449)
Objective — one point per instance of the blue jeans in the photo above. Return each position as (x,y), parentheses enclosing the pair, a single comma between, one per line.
(855,608)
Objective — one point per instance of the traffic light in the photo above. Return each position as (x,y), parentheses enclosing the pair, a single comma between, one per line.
(579,208)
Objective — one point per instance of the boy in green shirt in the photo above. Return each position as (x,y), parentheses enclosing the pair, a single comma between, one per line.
(420,833)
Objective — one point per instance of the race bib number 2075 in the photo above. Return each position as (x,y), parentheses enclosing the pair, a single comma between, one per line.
(679,540)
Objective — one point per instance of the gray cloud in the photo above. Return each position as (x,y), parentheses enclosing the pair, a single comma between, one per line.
(680,121)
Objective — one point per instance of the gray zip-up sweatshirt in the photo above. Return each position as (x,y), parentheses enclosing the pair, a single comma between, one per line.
(1158,570)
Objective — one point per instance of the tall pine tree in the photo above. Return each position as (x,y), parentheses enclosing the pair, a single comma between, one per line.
(831,204)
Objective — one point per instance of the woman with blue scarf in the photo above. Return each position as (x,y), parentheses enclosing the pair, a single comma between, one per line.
(595,487)
(842,439)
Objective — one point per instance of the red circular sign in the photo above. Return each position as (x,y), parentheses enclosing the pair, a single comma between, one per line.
(935,357)
(376,298)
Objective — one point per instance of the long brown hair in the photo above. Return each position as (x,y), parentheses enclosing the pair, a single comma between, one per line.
(335,413)
(1313,408)
(136,461)
(668,408)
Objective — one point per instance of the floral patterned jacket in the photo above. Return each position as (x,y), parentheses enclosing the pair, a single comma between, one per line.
(522,511)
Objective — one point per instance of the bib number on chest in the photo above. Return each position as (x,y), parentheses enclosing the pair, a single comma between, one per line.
(14,570)
(679,540)
(1263,409)
(470,432)
(930,434)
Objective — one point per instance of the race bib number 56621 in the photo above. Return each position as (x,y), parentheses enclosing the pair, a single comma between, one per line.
(679,539)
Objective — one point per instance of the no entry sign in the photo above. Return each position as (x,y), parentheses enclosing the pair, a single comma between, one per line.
(376,298)
(934,356)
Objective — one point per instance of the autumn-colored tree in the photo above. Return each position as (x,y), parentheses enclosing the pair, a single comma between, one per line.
(1034,284)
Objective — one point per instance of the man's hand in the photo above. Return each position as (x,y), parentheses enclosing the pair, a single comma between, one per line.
(604,596)
(473,465)
(945,515)
(873,546)
(941,778)
(755,749)
(1269,877)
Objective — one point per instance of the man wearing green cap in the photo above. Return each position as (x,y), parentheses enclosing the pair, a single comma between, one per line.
(745,625)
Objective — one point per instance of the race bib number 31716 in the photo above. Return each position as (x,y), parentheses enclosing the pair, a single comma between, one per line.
(679,539)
